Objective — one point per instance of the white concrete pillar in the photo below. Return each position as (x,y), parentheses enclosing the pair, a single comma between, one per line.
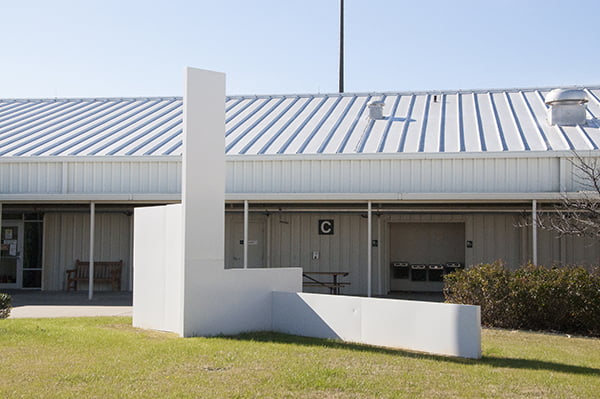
(369,249)
(245,234)
(534,239)
(92,229)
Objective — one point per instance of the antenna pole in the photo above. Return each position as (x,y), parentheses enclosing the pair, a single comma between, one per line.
(341,82)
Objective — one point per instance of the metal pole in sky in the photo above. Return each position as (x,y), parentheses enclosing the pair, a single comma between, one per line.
(341,82)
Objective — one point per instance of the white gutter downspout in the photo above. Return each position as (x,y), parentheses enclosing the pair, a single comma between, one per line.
(369,249)
(534,232)
(245,234)
(91,270)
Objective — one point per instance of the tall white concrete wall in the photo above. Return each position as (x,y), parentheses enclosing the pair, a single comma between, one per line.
(200,297)
(445,329)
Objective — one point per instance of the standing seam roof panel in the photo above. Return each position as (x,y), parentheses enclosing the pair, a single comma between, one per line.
(48,127)
(512,120)
(119,139)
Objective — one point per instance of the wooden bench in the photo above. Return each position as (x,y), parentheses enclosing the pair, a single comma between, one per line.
(334,285)
(104,272)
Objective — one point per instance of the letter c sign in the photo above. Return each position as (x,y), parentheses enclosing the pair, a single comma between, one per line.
(326,227)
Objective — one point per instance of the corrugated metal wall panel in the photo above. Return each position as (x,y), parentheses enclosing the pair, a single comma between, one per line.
(77,177)
(294,237)
(37,177)
(494,237)
(549,248)
(582,251)
(67,239)
(395,176)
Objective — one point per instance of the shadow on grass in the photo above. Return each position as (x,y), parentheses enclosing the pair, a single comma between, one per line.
(493,361)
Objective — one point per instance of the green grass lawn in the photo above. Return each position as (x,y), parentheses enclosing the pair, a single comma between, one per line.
(107,358)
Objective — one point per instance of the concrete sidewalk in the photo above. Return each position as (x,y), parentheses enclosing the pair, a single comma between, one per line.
(37,304)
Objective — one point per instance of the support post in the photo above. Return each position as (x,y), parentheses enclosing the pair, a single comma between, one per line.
(131,230)
(245,234)
(534,243)
(379,269)
(91,271)
(268,244)
(369,248)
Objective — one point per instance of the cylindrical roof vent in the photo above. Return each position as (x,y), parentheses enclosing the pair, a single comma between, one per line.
(376,109)
(567,107)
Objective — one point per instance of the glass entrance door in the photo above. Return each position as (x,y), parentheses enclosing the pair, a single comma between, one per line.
(11,249)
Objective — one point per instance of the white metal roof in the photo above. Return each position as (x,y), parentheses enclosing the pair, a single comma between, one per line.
(427,122)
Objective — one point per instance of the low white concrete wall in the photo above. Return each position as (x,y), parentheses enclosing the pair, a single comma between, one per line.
(440,328)
(233,301)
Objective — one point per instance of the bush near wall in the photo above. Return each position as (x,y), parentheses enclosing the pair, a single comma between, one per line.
(563,299)
(5,305)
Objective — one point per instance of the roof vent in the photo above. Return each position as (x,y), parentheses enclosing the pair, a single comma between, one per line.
(376,109)
(567,107)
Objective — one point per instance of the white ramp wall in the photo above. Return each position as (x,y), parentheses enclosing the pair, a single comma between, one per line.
(440,328)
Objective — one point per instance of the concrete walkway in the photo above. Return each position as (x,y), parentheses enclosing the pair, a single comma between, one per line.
(36,304)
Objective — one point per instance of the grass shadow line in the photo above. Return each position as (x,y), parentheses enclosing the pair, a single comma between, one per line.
(493,361)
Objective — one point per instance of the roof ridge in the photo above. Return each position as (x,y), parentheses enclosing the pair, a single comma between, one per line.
(315,95)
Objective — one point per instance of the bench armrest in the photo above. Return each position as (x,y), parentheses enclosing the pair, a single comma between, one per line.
(70,272)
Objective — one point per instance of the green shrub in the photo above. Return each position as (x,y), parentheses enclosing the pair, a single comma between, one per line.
(565,299)
(5,305)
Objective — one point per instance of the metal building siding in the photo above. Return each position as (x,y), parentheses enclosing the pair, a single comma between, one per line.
(477,175)
(39,177)
(495,237)
(582,251)
(67,239)
(295,237)
(298,175)
(106,176)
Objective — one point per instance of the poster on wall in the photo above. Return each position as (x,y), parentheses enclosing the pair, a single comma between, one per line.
(11,245)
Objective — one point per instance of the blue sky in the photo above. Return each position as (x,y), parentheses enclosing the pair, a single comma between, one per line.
(110,48)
